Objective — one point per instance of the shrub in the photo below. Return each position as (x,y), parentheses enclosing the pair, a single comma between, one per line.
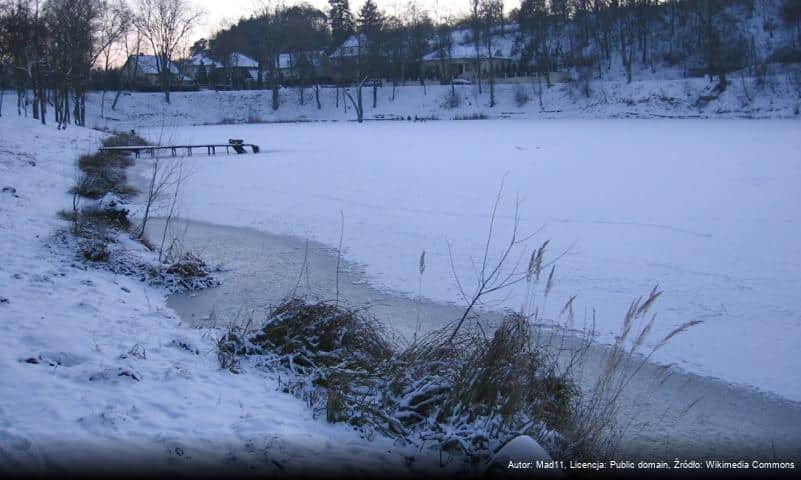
(94,251)
(451,100)
(468,394)
(521,95)
(189,266)
(471,116)
(123,139)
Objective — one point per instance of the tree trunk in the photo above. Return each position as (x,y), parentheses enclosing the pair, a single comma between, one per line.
(491,81)
(43,103)
(165,82)
(275,98)
(360,109)
(539,89)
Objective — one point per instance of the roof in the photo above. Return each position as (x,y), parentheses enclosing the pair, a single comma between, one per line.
(203,59)
(148,64)
(354,40)
(350,47)
(237,59)
(463,52)
(287,60)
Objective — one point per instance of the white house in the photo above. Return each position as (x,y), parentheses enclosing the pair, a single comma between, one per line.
(460,62)
(142,72)
(193,65)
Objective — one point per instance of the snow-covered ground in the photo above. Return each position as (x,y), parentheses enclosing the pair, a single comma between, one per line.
(780,97)
(706,208)
(96,372)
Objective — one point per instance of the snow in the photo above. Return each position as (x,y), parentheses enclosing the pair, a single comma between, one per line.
(646,98)
(523,449)
(98,373)
(241,60)
(706,209)
(468,52)
(203,59)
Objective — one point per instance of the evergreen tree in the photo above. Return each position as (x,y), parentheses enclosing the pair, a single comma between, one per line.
(371,20)
(341,20)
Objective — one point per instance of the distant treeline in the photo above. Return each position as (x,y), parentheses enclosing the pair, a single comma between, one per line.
(59,49)
(705,36)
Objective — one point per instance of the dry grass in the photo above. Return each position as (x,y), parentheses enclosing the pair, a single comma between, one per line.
(466,395)
(123,139)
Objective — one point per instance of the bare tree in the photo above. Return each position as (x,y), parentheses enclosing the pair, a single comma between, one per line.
(165,25)
(358,105)
(114,26)
(166,177)
(491,16)
(130,46)
(475,27)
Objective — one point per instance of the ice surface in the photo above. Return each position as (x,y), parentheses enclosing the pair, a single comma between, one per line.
(706,209)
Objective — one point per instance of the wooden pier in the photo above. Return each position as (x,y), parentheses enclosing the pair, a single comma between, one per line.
(237,146)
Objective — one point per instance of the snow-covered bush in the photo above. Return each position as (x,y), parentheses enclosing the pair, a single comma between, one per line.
(101,225)
(451,100)
(465,395)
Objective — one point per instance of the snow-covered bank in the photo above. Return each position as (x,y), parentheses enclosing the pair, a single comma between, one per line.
(707,209)
(778,98)
(98,373)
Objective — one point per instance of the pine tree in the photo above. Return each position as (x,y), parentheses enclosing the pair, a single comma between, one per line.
(341,20)
(371,20)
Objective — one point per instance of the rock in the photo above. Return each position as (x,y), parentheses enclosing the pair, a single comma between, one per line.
(518,458)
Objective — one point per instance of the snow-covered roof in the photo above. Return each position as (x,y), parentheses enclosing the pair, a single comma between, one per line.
(237,59)
(463,52)
(350,47)
(148,64)
(354,41)
(203,59)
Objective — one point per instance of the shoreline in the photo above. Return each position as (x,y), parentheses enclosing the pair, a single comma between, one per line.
(682,413)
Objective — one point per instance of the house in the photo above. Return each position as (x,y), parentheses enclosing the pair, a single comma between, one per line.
(237,71)
(307,66)
(344,61)
(201,68)
(141,72)
(460,62)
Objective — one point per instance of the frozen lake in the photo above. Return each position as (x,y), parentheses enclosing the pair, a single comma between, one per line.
(707,209)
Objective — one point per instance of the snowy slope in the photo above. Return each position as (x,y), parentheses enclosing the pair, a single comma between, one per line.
(706,208)
(779,98)
(98,372)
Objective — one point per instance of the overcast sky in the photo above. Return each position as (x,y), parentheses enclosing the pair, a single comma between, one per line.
(218,12)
